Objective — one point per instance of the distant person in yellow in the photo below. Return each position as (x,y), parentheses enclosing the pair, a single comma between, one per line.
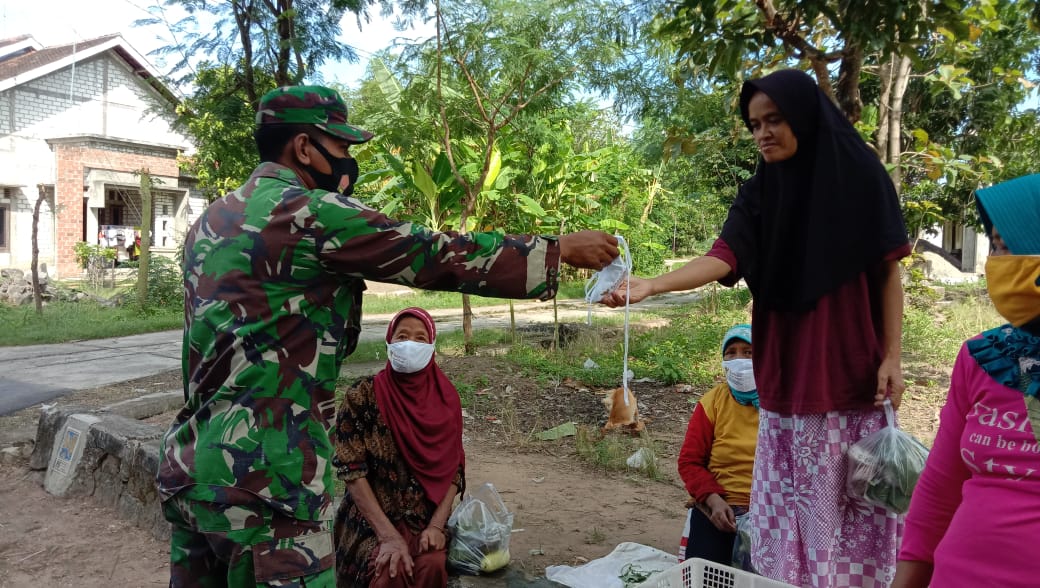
(718,455)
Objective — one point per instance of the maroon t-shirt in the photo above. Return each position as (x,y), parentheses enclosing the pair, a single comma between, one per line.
(821,360)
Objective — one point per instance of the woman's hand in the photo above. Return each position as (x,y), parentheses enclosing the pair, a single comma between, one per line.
(433,538)
(640,289)
(890,383)
(720,514)
(393,557)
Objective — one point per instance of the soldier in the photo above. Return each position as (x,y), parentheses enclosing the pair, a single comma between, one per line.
(273,278)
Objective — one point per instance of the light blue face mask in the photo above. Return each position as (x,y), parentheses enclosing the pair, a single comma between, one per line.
(609,278)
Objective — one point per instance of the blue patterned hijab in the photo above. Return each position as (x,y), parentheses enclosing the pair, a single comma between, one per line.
(1008,354)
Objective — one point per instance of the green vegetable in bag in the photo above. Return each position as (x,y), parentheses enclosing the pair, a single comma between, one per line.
(884,466)
(481,526)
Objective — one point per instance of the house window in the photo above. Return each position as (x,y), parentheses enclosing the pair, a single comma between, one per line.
(5,227)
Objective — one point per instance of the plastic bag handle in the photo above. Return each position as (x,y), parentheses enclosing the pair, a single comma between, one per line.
(890,413)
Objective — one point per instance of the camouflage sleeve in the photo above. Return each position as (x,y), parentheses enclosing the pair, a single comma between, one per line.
(350,458)
(358,241)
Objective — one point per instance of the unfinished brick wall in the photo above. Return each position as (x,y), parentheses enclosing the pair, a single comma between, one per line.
(74,160)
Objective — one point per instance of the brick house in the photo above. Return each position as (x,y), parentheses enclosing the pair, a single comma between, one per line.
(76,122)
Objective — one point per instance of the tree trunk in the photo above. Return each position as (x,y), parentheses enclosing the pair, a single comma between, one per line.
(884,99)
(283,15)
(244,20)
(37,293)
(512,321)
(146,238)
(847,91)
(895,76)
(556,325)
(901,78)
(467,310)
(467,325)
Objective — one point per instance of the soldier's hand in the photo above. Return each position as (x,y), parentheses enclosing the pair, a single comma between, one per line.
(588,249)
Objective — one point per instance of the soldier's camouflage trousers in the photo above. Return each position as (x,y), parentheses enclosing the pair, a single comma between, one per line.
(245,546)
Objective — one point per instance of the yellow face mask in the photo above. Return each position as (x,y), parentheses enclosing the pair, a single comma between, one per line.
(1014,286)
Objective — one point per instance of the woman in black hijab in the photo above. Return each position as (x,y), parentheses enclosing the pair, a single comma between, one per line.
(816,234)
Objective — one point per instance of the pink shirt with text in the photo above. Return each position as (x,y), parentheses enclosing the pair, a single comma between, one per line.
(976,510)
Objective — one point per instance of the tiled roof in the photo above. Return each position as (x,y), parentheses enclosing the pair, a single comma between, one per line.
(13,40)
(27,62)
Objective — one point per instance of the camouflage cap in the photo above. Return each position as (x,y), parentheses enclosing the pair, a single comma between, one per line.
(309,105)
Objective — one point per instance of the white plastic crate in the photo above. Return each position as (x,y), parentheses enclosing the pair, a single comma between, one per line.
(700,573)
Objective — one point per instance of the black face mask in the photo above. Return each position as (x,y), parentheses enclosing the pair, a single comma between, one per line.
(341,166)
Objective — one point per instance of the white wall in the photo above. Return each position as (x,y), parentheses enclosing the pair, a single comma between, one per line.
(99,96)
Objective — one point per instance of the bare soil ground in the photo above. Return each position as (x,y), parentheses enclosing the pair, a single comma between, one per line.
(568,510)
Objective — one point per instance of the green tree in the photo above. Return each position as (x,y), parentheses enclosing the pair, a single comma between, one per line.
(970,128)
(723,37)
(954,52)
(286,39)
(492,60)
(220,118)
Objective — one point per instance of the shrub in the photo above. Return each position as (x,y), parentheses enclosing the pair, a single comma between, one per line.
(165,283)
(95,259)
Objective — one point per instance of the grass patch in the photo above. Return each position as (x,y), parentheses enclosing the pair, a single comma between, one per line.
(935,335)
(685,350)
(611,451)
(74,321)
(431,300)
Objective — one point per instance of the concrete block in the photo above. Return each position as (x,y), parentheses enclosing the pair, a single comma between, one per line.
(141,467)
(10,455)
(113,433)
(52,419)
(148,405)
(67,453)
(113,459)
(103,441)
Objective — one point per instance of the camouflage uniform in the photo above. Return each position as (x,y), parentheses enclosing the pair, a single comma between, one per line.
(273,277)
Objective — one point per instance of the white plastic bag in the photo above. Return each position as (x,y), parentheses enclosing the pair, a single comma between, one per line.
(884,466)
(480,528)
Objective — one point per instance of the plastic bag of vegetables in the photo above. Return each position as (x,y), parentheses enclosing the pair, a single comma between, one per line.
(884,466)
(742,544)
(480,529)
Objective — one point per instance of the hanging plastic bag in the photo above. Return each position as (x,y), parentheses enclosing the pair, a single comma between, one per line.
(884,466)
(480,529)
(742,544)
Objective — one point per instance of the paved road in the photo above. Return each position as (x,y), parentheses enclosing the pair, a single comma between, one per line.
(39,373)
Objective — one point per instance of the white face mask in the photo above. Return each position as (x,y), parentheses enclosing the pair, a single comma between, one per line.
(609,278)
(740,375)
(408,357)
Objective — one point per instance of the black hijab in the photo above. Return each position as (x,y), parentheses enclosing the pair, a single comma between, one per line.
(802,227)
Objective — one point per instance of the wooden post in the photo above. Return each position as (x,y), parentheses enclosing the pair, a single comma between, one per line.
(146,238)
(37,291)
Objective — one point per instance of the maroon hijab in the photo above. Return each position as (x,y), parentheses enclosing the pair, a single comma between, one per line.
(424,414)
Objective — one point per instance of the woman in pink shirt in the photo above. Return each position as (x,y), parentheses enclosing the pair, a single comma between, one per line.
(975,512)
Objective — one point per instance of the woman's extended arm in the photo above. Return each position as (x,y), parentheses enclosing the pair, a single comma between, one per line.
(694,274)
(890,373)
